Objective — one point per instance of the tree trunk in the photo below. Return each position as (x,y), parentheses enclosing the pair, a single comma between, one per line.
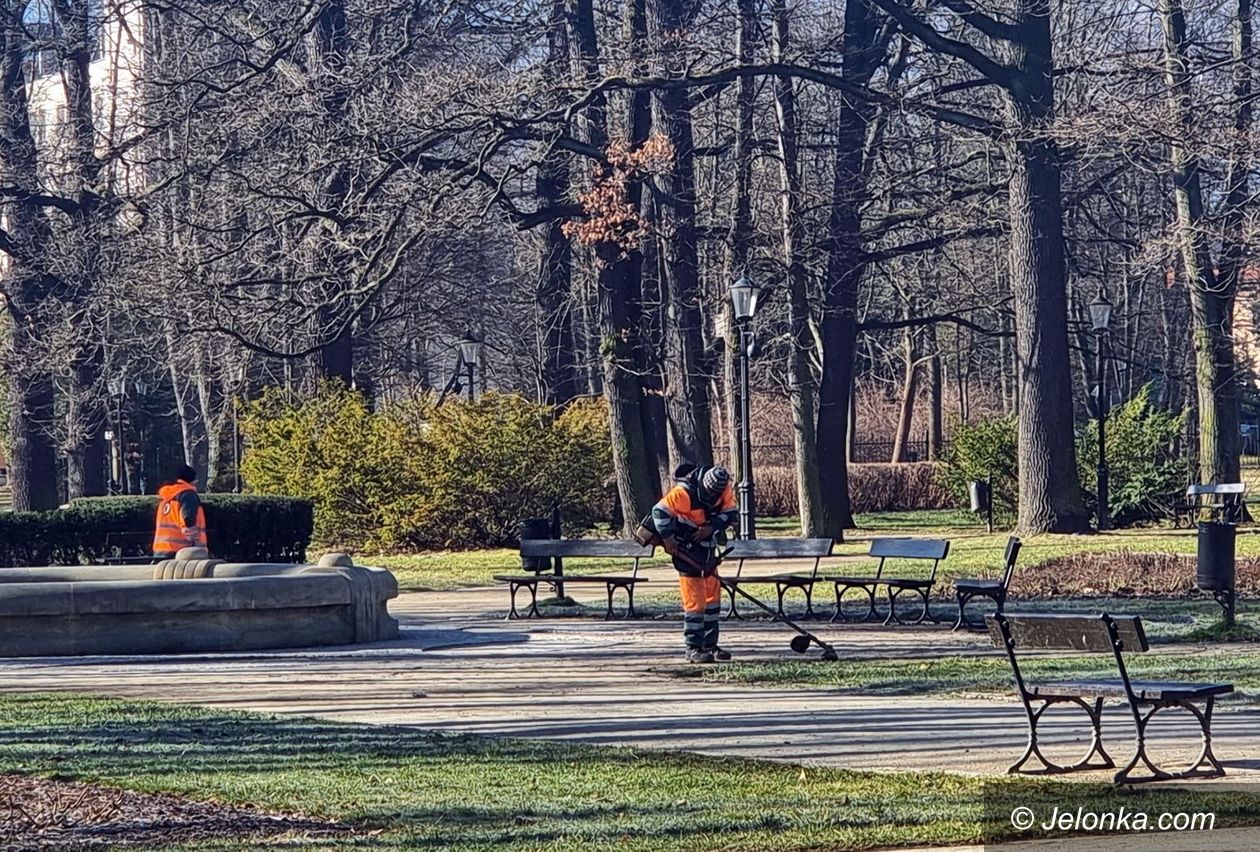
(637,482)
(1050,498)
(32,449)
(558,377)
(846,265)
(1211,298)
(801,383)
(686,371)
(909,390)
(332,51)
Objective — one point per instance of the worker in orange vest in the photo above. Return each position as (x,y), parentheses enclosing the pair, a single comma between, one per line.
(181,519)
(692,519)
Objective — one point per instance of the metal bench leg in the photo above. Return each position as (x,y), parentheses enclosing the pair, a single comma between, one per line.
(630,613)
(892,618)
(809,601)
(513,587)
(1196,770)
(608,613)
(1049,767)
(733,612)
(963,599)
(841,589)
(782,590)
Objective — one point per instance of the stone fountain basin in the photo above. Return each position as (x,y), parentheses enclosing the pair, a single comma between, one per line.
(192,604)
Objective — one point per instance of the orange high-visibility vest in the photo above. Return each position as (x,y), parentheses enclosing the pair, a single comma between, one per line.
(169,534)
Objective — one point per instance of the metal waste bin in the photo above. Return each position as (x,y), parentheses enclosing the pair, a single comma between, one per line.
(1215,571)
(979,492)
(536,528)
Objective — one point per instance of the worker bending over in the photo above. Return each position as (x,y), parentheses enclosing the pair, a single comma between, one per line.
(691,521)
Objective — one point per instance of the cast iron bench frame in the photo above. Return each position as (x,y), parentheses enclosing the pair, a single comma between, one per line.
(1101,634)
(966,588)
(934,549)
(755,550)
(577,549)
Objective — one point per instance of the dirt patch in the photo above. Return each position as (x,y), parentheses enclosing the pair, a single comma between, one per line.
(42,813)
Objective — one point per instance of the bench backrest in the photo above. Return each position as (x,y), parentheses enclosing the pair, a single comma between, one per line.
(909,548)
(1013,546)
(779,548)
(935,549)
(578,548)
(1054,632)
(1217,489)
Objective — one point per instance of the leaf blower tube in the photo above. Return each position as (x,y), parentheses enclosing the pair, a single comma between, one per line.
(646,536)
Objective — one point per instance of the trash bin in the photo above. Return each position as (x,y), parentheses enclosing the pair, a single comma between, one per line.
(979,490)
(1215,571)
(536,528)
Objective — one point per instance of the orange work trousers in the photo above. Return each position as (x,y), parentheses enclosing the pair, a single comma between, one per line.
(702,610)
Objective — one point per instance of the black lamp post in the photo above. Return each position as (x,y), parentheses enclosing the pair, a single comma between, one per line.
(744,298)
(118,472)
(1100,317)
(470,353)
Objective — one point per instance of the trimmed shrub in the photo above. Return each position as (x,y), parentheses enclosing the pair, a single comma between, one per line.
(872,488)
(417,475)
(241,529)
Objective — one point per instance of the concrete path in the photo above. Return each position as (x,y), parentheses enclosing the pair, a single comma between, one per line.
(460,667)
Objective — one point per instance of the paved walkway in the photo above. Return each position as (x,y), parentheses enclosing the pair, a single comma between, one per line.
(460,667)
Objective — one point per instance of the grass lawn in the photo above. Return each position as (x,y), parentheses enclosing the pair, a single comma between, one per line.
(405,788)
(972,675)
(973,552)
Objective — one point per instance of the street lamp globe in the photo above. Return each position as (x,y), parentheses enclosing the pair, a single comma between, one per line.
(116,387)
(744,298)
(1100,311)
(470,349)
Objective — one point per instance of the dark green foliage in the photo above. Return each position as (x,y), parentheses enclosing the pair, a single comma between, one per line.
(241,528)
(1148,474)
(979,450)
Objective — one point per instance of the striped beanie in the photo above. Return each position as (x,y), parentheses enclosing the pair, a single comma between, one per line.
(715,480)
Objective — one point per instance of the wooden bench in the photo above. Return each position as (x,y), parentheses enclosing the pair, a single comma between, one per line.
(967,588)
(1101,634)
(1224,500)
(560,550)
(124,542)
(883,549)
(762,549)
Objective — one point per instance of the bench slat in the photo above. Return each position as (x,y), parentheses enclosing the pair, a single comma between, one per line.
(781,548)
(1150,690)
(577,548)
(1221,488)
(1054,632)
(909,548)
(578,578)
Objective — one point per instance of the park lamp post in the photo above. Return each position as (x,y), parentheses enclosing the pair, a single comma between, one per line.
(744,298)
(117,388)
(1100,318)
(470,354)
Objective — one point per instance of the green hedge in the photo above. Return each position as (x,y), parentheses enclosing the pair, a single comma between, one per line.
(242,529)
